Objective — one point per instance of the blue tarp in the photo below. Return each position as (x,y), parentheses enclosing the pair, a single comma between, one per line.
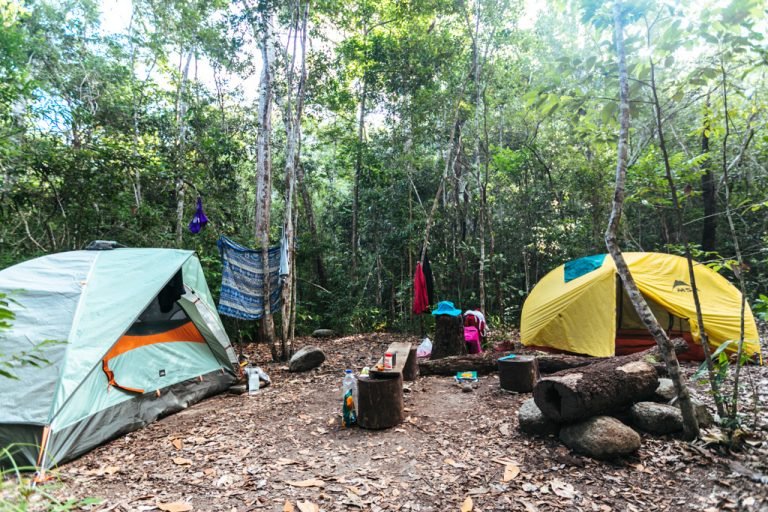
(242,280)
(581,266)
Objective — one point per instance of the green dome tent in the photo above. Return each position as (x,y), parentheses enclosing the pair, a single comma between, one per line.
(135,336)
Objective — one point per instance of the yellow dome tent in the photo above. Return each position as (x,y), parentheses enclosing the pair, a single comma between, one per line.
(581,307)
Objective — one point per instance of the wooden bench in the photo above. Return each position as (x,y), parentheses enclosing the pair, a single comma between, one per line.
(404,363)
(380,395)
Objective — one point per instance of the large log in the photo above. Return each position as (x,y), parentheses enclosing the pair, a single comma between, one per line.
(485,363)
(596,389)
(449,337)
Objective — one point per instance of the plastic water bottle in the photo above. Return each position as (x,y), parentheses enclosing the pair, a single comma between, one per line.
(253,380)
(349,399)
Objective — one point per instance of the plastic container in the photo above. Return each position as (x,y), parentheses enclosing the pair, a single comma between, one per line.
(388,361)
(349,399)
(253,379)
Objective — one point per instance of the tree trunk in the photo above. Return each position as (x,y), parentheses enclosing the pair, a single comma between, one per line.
(690,426)
(709,226)
(181,110)
(595,390)
(449,337)
(486,362)
(264,171)
(292,113)
(380,402)
(358,171)
(519,373)
(683,238)
(308,210)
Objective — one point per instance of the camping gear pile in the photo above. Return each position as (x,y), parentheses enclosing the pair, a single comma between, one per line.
(134,336)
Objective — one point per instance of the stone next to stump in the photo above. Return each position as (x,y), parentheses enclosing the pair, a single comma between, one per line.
(306,359)
(532,421)
(600,437)
(657,418)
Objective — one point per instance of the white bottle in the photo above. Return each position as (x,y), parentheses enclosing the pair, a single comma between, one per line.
(253,380)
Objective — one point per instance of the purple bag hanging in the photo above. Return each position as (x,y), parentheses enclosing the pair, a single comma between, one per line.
(199,220)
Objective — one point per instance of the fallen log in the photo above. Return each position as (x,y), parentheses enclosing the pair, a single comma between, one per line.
(485,363)
(596,389)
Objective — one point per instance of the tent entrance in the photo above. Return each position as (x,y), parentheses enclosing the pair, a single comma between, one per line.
(632,335)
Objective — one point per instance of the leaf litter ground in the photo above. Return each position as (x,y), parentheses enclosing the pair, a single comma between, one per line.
(284,450)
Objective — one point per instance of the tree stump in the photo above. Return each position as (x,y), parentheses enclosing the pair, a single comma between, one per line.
(518,373)
(449,337)
(594,390)
(380,402)
(411,369)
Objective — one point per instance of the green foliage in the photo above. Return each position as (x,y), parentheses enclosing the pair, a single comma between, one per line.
(20,493)
(760,307)
(94,139)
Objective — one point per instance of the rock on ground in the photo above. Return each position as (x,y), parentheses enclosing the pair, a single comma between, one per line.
(703,416)
(323,333)
(657,418)
(600,437)
(532,421)
(665,392)
(306,359)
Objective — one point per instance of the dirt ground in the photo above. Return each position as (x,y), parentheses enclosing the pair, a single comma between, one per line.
(284,450)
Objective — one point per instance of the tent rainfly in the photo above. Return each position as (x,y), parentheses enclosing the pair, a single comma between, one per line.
(581,307)
(134,335)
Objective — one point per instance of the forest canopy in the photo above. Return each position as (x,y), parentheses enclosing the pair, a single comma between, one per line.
(486,129)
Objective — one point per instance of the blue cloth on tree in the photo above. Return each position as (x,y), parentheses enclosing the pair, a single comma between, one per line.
(199,220)
(242,280)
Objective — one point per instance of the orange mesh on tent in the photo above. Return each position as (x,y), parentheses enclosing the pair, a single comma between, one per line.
(186,332)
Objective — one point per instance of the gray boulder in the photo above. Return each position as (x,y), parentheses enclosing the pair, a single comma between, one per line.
(600,437)
(532,421)
(306,359)
(703,416)
(323,333)
(665,392)
(657,418)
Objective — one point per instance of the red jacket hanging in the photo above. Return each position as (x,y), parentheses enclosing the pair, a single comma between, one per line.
(420,299)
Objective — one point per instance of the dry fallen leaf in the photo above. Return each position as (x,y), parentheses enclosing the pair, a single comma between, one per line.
(510,472)
(181,461)
(562,489)
(504,429)
(288,507)
(467,505)
(177,443)
(307,506)
(111,470)
(176,506)
(313,482)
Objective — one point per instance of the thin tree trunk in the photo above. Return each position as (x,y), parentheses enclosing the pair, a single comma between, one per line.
(734,410)
(683,237)
(709,227)
(292,113)
(358,172)
(134,100)
(307,200)
(690,425)
(264,170)
(181,110)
